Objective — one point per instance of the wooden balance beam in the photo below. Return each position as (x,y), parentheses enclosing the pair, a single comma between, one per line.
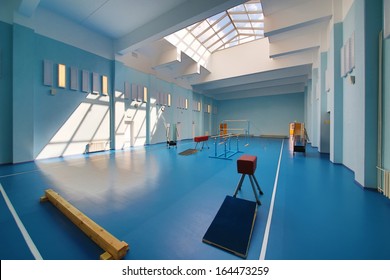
(114,248)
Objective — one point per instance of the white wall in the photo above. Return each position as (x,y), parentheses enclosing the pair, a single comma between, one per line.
(54,26)
(249,58)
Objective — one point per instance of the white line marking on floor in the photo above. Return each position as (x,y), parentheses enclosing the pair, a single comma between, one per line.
(271,209)
(20,173)
(27,238)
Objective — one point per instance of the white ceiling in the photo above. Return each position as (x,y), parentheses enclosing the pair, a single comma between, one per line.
(135,26)
(273,6)
(279,81)
(294,28)
(113,18)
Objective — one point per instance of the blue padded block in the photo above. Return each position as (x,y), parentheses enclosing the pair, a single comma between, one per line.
(231,229)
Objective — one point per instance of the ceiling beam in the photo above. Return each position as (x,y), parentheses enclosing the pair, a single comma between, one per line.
(297,26)
(277,90)
(295,51)
(286,72)
(180,17)
(28,7)
(258,85)
(297,16)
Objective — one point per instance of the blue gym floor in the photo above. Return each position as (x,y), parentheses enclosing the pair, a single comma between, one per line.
(161,204)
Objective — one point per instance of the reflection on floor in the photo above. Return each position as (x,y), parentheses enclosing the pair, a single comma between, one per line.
(161,204)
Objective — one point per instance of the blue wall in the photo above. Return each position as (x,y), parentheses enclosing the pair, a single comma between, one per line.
(360,99)
(52,112)
(37,115)
(35,123)
(353,95)
(189,121)
(315,109)
(308,109)
(373,27)
(5,92)
(324,124)
(338,100)
(268,115)
(23,93)
(386,104)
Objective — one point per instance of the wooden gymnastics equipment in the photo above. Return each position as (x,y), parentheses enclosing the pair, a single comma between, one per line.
(225,140)
(114,249)
(299,137)
(240,127)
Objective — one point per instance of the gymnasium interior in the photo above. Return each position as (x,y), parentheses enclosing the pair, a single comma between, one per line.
(128,129)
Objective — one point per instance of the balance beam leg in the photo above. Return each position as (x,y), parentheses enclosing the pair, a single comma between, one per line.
(257,184)
(254,190)
(239,185)
(114,248)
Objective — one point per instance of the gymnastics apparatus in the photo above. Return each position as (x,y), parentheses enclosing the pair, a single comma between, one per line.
(239,127)
(299,137)
(232,227)
(227,135)
(114,248)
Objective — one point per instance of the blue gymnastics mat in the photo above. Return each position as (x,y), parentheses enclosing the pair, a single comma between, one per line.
(232,227)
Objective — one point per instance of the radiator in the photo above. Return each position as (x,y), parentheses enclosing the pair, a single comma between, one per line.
(384,181)
(386,184)
(96,146)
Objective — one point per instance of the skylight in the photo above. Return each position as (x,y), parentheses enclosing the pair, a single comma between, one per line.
(241,24)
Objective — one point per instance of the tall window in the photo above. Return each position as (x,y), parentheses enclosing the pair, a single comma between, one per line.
(145,96)
(61,75)
(104,85)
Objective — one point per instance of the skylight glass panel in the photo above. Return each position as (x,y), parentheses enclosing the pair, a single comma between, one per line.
(225,31)
(181,33)
(232,44)
(182,46)
(259,33)
(189,39)
(196,57)
(200,28)
(216,45)
(213,48)
(230,36)
(190,52)
(256,17)
(202,50)
(237,25)
(239,17)
(195,45)
(211,42)
(245,39)
(247,32)
(240,8)
(253,7)
(206,35)
(243,25)
(216,18)
(258,25)
(223,22)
